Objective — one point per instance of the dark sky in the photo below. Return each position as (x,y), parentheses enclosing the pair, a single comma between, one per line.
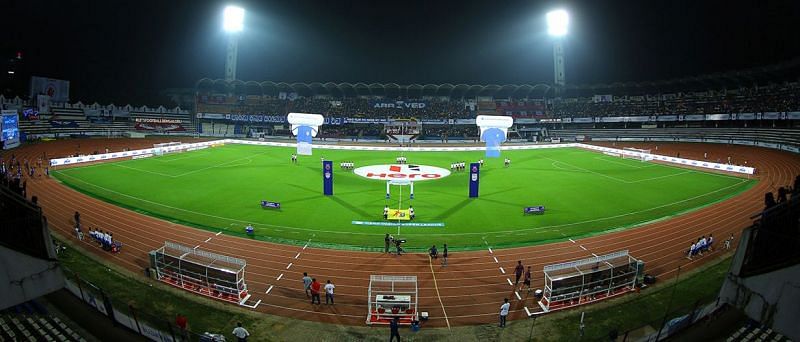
(126,51)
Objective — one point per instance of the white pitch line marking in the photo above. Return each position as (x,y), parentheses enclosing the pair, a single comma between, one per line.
(290,265)
(518,296)
(269,289)
(584,248)
(297,256)
(280,276)
(495,260)
(502,270)
(209,239)
(218,233)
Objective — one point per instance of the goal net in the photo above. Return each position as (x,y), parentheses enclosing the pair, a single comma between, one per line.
(636,153)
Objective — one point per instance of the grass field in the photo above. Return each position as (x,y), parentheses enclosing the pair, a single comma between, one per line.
(220,189)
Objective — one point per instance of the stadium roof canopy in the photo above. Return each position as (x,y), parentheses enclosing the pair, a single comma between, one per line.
(782,72)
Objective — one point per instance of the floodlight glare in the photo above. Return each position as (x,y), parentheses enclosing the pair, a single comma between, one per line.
(557,22)
(233,19)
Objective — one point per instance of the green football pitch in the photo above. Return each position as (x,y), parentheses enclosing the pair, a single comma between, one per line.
(220,189)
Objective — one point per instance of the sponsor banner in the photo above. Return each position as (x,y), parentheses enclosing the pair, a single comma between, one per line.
(142,156)
(63,124)
(327,177)
(58,90)
(399,215)
(673,160)
(158,120)
(581,120)
(395,224)
(159,127)
(667,118)
(602,98)
(474,180)
(256,118)
(694,117)
(465,121)
(127,154)
(548,120)
(744,142)
(790,148)
(436,122)
(718,117)
(333,121)
(771,116)
(626,119)
(402,172)
(212,116)
(793,115)
(364,120)
(525,121)
(746,116)
(397,104)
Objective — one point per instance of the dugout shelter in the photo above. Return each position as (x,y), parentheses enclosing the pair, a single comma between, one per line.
(583,281)
(205,273)
(390,297)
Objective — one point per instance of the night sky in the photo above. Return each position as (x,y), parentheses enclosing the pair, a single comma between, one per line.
(127,51)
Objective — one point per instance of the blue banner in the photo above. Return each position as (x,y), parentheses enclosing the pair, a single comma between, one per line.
(327,178)
(474,170)
(493,138)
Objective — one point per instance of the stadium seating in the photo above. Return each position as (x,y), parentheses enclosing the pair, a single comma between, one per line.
(30,322)
(753,332)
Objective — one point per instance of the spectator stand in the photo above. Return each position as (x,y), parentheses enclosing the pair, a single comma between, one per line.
(390,297)
(209,274)
(579,282)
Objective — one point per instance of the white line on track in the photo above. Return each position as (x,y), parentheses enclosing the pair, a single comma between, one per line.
(297,256)
(495,260)
(595,255)
(509,281)
(207,240)
(280,276)
(217,234)
(502,270)
(490,250)
(584,248)
(290,265)
(518,296)
(571,240)
(528,312)
(195,247)
(430,263)
(269,289)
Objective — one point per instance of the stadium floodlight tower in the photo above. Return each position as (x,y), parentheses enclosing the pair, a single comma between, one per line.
(232,24)
(557,24)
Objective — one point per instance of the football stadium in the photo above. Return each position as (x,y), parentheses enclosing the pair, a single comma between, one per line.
(430,203)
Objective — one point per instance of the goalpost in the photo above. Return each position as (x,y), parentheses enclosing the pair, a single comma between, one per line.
(636,153)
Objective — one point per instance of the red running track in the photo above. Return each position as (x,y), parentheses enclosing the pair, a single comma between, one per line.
(468,291)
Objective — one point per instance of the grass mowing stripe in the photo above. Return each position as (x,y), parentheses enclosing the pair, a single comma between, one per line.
(227,197)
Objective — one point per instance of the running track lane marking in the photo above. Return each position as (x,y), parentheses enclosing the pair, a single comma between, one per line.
(595,255)
(290,265)
(502,270)
(490,250)
(509,282)
(517,294)
(297,256)
(207,240)
(280,276)
(430,263)
(495,260)
(269,289)
(220,232)
(570,240)
(195,247)
(584,248)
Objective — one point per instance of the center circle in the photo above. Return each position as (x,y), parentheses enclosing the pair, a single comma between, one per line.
(401,173)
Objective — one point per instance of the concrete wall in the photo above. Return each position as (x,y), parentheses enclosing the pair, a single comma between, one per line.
(23,278)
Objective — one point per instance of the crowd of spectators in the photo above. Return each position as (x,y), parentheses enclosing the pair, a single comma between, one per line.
(773,98)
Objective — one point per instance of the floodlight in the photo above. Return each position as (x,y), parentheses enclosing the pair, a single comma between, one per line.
(233,19)
(557,23)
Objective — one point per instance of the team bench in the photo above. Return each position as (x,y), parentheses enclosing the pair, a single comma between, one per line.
(268,204)
(539,209)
